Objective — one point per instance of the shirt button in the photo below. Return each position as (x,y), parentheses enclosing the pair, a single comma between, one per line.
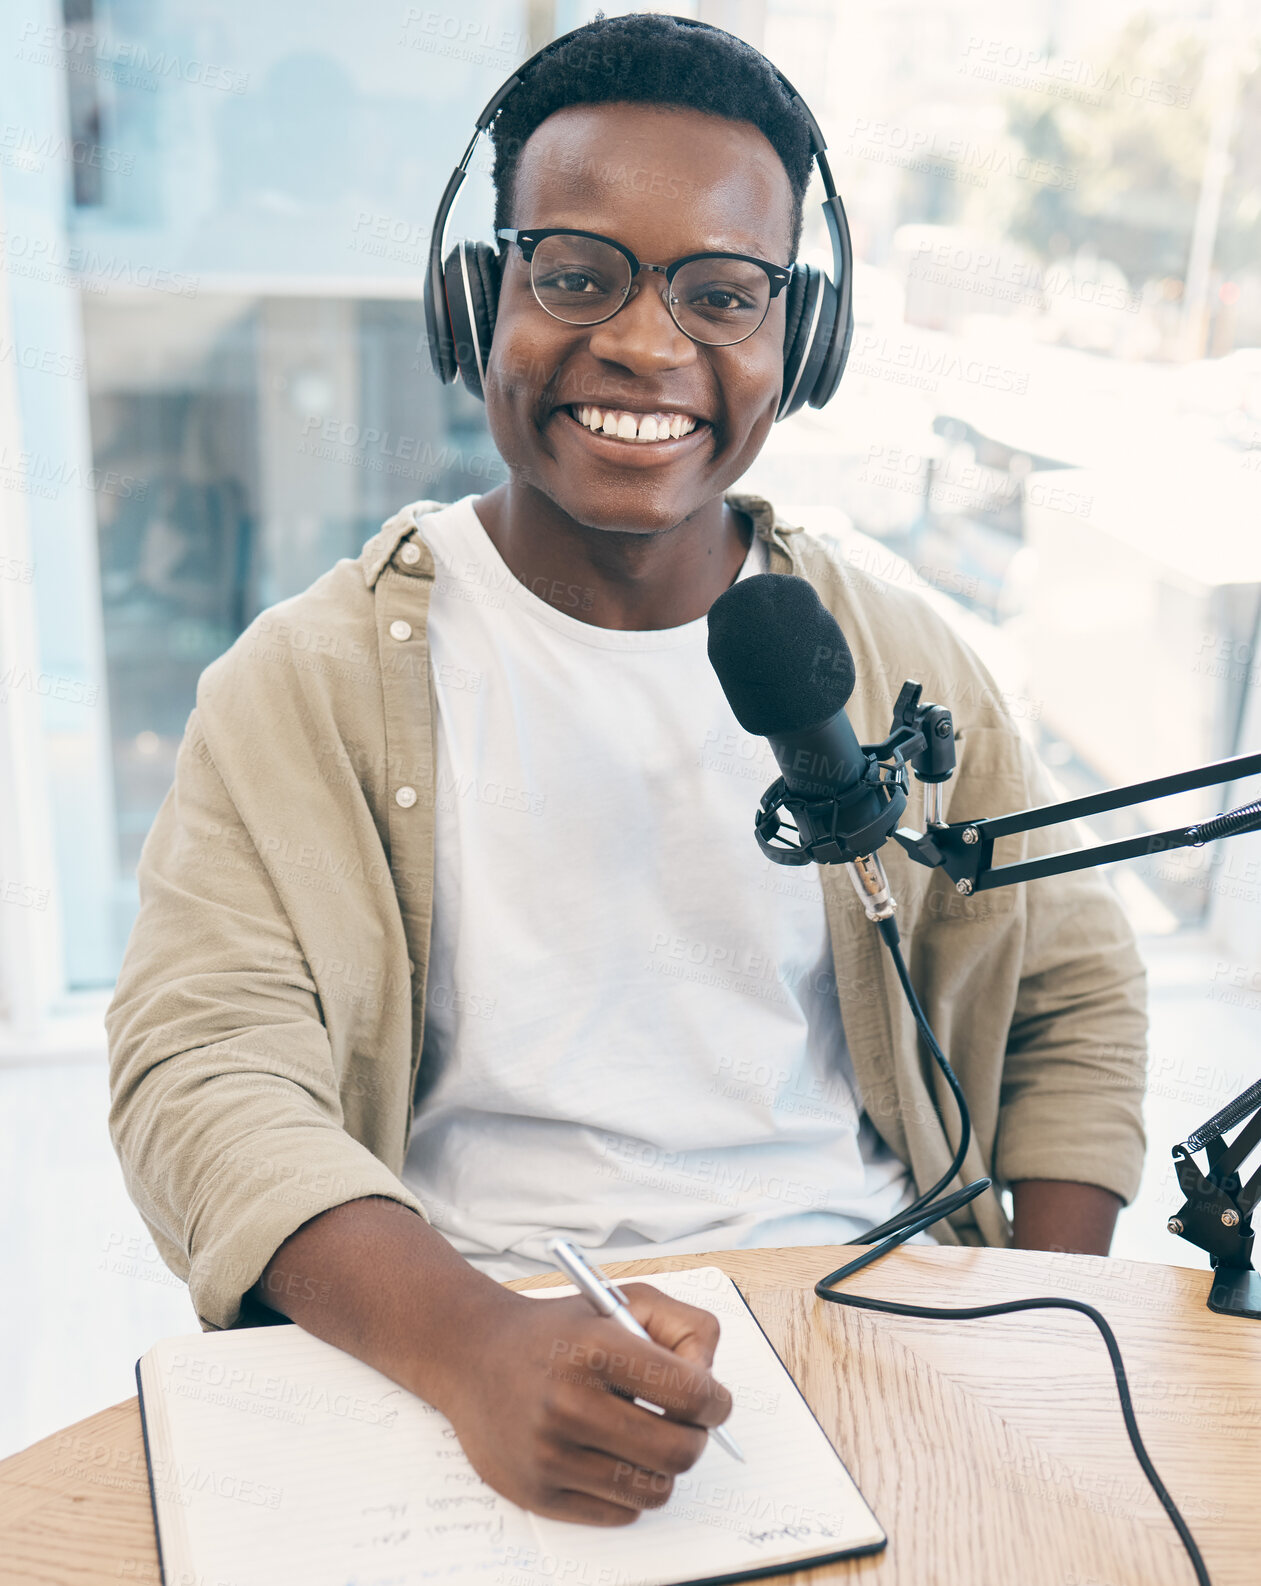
(400,630)
(410,553)
(406,796)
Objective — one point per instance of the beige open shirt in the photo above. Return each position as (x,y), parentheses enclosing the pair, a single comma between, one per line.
(266,1028)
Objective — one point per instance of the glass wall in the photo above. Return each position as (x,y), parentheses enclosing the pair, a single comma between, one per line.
(259,440)
(1051,416)
(216,226)
(222,223)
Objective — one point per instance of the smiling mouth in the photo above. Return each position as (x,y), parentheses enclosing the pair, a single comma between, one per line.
(622,425)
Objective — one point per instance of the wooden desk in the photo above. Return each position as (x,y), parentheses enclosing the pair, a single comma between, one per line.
(992,1451)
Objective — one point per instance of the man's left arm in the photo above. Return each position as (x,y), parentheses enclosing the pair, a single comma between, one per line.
(1070,1132)
(1051,1214)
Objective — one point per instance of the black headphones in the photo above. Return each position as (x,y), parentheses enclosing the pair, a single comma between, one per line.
(818,325)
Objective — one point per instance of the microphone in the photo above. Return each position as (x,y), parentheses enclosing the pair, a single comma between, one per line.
(787,672)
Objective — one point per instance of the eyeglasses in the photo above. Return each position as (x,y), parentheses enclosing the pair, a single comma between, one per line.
(582,278)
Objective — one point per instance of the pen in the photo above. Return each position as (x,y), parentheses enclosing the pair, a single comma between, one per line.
(609,1300)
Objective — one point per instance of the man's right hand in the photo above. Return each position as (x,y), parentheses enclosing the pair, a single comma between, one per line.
(542,1403)
(538,1390)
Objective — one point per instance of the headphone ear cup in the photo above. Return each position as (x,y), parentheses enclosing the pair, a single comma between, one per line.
(489,265)
(801,312)
(817,383)
(470,284)
(794,300)
(834,349)
(438,323)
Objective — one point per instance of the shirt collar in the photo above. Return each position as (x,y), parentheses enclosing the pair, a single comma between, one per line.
(769,527)
(384,546)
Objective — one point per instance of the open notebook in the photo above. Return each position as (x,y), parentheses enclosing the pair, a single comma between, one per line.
(276,1457)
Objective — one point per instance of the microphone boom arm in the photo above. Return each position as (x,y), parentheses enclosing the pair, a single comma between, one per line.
(965,849)
(1218,1208)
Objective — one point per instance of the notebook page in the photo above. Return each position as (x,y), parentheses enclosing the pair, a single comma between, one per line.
(286,1459)
(792,1498)
(277,1456)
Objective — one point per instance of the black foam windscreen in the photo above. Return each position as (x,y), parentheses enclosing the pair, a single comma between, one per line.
(779,654)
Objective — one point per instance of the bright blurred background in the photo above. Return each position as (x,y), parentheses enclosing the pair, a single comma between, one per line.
(214,218)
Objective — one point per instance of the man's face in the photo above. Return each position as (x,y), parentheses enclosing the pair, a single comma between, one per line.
(665,182)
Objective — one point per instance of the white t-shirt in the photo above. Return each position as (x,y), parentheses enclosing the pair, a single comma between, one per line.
(632,1035)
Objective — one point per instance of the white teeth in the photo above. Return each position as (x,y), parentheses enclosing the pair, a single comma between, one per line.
(635,426)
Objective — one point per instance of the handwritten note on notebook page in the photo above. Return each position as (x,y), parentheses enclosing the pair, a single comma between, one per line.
(275,1456)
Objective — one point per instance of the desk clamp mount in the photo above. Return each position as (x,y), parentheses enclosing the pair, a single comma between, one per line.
(1217,1215)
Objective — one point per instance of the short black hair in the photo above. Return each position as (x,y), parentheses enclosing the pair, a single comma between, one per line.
(657,60)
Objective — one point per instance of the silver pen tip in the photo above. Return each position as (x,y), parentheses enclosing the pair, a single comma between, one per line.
(725,1440)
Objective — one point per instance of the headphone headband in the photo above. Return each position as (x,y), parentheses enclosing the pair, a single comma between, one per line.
(443,353)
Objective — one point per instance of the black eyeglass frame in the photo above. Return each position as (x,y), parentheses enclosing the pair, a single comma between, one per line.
(528,240)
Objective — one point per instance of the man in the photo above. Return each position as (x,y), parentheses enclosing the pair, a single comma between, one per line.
(478,793)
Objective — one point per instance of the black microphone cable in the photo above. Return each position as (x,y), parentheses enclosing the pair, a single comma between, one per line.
(788,672)
(926,1210)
